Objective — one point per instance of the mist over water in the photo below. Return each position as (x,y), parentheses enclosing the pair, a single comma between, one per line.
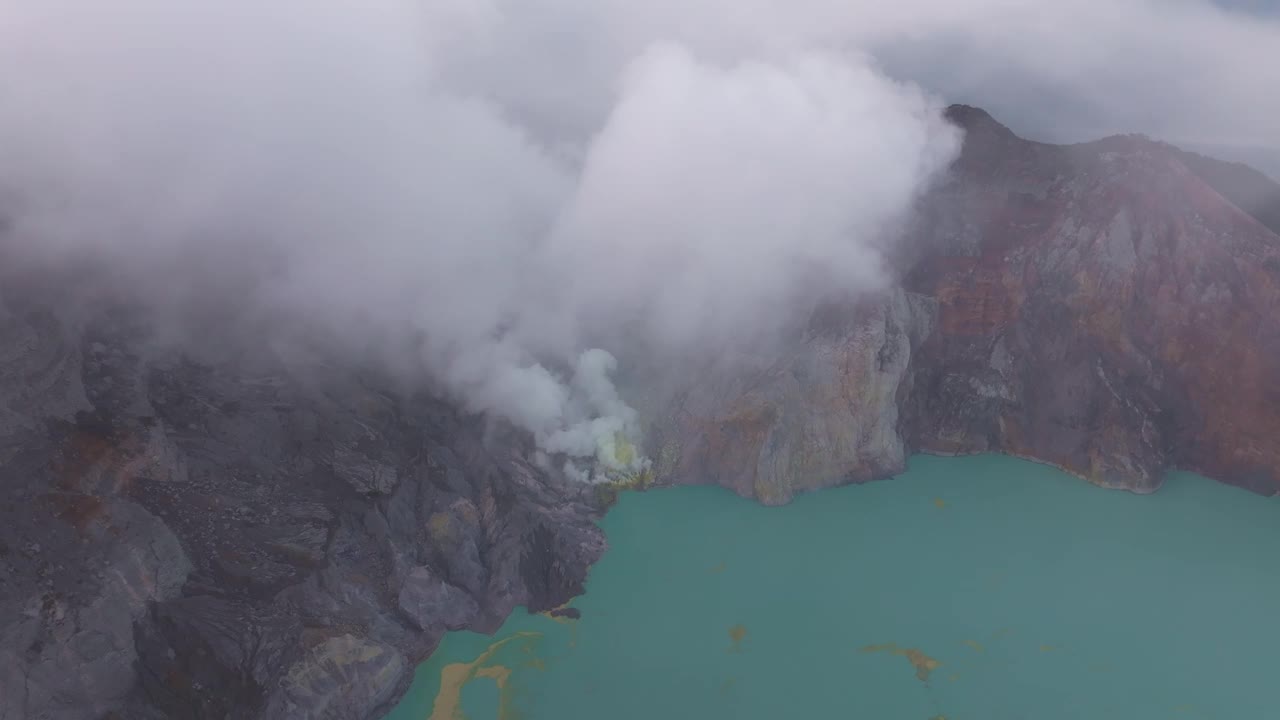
(501,196)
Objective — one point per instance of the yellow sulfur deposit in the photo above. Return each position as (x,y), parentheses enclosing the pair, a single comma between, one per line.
(923,664)
(455,676)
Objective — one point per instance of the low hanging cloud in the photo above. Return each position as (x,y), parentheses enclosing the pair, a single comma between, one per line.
(520,187)
(1200,73)
(718,198)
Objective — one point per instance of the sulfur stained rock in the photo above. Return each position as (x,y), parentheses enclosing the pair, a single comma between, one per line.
(1108,312)
(1102,307)
(824,413)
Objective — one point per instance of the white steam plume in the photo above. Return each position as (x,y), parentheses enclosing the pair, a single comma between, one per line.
(717,199)
(514,182)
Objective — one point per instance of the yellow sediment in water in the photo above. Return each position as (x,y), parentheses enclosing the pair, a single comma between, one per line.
(921,662)
(533,660)
(719,568)
(550,614)
(974,644)
(939,502)
(536,662)
(736,635)
(499,674)
(455,676)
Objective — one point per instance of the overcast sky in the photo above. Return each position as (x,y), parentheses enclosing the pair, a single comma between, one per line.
(1187,72)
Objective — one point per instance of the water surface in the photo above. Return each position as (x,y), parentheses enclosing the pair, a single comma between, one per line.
(983,588)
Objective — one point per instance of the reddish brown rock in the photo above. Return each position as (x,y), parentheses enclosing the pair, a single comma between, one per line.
(824,412)
(1102,308)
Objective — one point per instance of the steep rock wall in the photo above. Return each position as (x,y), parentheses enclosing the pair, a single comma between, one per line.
(277,539)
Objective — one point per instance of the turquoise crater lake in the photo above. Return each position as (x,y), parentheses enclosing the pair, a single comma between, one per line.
(981,588)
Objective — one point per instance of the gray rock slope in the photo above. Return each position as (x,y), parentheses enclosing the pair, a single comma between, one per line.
(274,540)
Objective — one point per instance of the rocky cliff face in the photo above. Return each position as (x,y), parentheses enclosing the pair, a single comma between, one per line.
(823,413)
(285,536)
(1100,307)
(275,540)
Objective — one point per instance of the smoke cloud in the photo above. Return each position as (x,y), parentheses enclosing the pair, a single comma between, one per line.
(500,191)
